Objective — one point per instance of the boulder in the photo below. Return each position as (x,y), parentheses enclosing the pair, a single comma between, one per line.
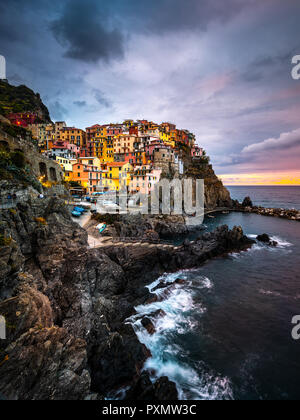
(264,238)
(148,325)
(247,202)
(144,390)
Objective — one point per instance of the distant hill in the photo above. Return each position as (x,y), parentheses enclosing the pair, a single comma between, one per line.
(15,99)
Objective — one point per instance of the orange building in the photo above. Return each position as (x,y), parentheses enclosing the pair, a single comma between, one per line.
(88,176)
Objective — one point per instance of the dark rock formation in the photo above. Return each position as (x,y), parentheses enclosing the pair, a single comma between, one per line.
(145,390)
(280,213)
(216,195)
(265,238)
(247,202)
(21,99)
(148,324)
(66,304)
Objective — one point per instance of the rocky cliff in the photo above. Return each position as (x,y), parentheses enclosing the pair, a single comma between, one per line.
(14,99)
(216,195)
(65,305)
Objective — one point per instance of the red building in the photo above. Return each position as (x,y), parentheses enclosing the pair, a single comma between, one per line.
(23,119)
(133,130)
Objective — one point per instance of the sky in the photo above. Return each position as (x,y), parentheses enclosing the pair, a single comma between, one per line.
(221,69)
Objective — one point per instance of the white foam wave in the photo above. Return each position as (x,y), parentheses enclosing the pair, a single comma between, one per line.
(167,358)
(282,243)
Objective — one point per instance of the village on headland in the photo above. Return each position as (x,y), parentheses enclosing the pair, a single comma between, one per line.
(92,159)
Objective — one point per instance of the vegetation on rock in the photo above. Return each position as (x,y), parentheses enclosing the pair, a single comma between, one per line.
(14,99)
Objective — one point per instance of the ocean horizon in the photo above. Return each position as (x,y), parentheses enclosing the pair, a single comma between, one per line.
(274,196)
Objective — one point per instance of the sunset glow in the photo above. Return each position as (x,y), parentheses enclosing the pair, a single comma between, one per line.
(283,179)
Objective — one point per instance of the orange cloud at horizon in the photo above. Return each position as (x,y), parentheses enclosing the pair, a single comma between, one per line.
(284,179)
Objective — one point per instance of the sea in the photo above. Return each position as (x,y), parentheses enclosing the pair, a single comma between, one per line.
(287,197)
(227,332)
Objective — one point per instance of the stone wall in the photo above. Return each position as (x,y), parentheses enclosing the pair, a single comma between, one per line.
(40,165)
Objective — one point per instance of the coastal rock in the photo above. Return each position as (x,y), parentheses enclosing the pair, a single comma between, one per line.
(144,390)
(29,309)
(68,303)
(247,202)
(216,195)
(118,360)
(148,325)
(265,238)
(271,212)
(44,364)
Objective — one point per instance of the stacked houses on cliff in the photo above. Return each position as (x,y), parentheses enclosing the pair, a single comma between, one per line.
(132,155)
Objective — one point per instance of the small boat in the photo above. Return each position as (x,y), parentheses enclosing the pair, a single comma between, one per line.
(212,217)
(79,209)
(225,212)
(101,227)
(76,214)
(85,206)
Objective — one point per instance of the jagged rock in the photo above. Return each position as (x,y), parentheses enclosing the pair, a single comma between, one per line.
(247,202)
(281,213)
(118,360)
(144,390)
(29,309)
(216,195)
(148,325)
(45,364)
(68,303)
(264,238)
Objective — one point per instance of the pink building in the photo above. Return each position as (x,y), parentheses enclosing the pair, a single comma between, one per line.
(196,152)
(152,146)
(143,179)
(114,130)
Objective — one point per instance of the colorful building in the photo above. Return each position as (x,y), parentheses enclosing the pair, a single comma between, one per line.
(73,135)
(23,119)
(117,176)
(143,179)
(88,176)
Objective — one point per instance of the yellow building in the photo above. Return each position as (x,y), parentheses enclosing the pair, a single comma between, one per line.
(117,176)
(67,166)
(103,148)
(128,123)
(73,135)
(166,138)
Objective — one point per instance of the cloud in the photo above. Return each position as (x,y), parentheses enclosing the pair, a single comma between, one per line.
(84,31)
(176,15)
(284,141)
(101,99)
(57,111)
(80,104)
